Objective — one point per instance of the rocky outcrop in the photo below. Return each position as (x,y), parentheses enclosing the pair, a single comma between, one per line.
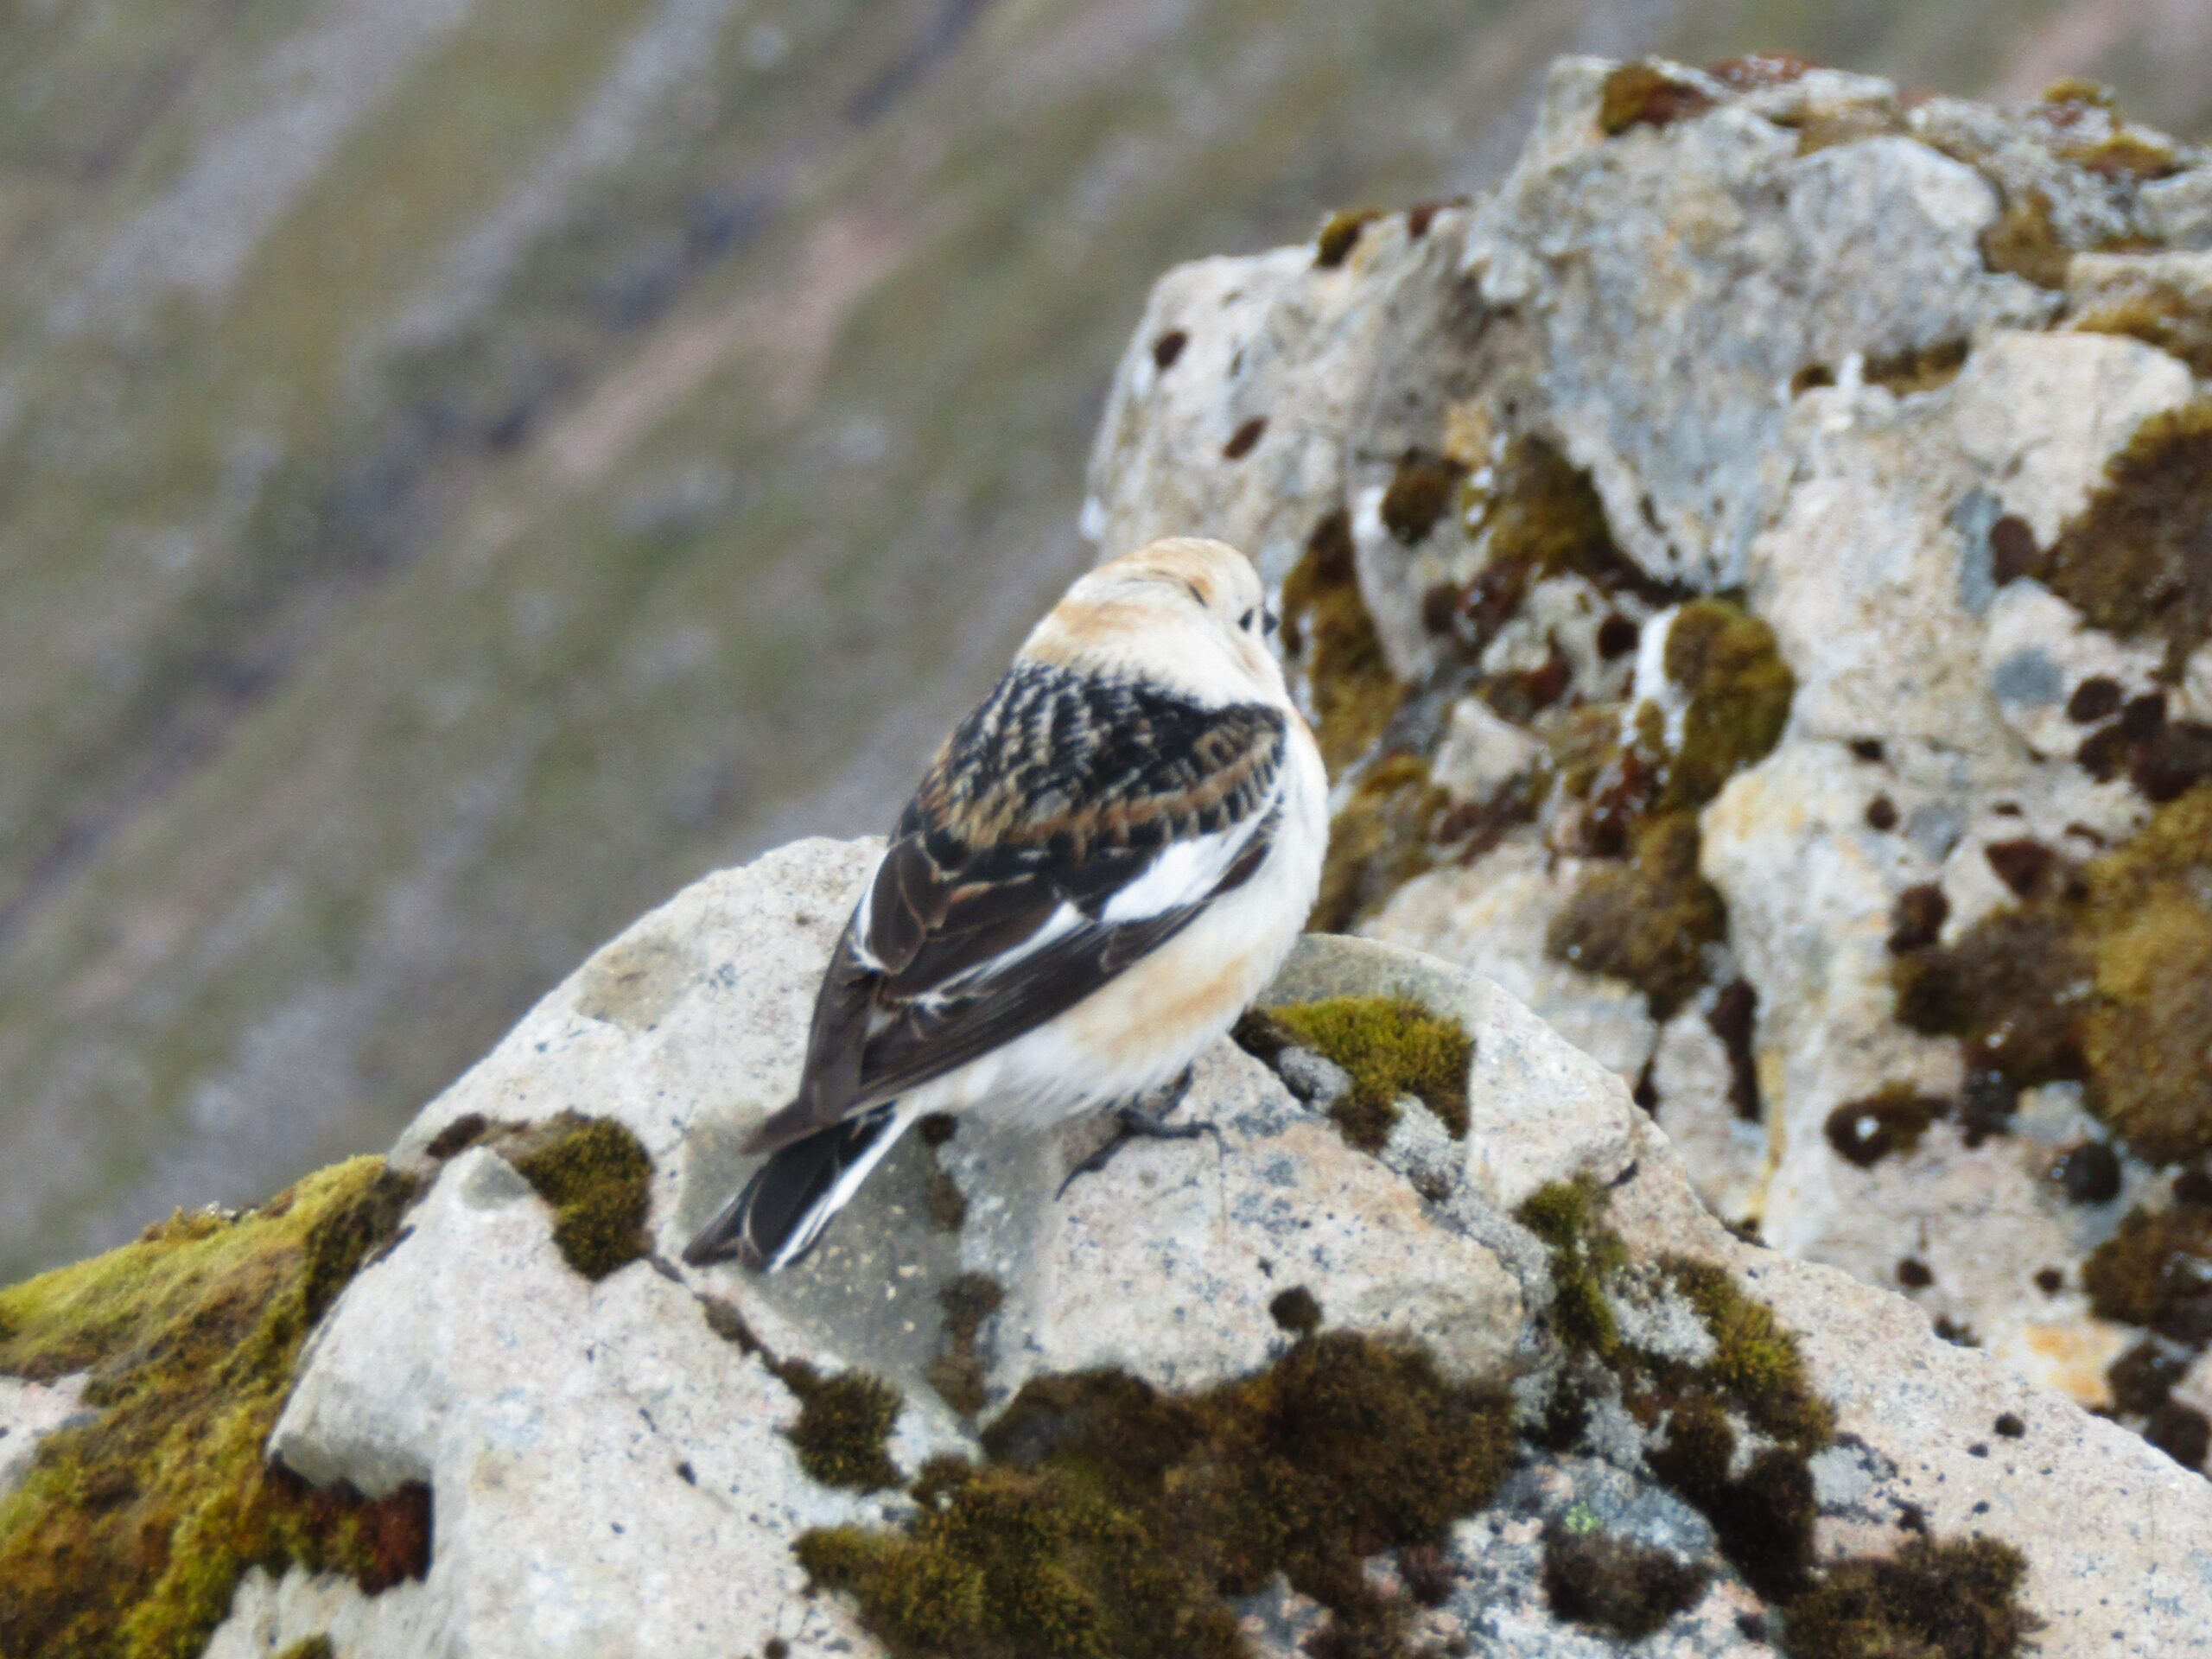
(1747,572)
(656,1460)
(1747,575)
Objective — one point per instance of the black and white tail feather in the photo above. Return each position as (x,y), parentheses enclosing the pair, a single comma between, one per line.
(780,1216)
(1075,822)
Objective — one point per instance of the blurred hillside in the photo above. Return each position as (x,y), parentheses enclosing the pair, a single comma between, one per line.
(466,467)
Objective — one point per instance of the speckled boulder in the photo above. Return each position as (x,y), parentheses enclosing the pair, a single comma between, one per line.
(627,1465)
(1867,369)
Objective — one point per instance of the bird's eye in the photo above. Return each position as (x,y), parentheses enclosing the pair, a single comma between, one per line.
(1273,622)
(1245,620)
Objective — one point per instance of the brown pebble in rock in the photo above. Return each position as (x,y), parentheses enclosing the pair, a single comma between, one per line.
(2144,717)
(2181,1432)
(1914,1274)
(1168,348)
(2171,764)
(2011,549)
(1440,608)
(2096,698)
(2022,865)
(1244,439)
(1919,918)
(1616,637)
(2050,1281)
(1882,813)
(2104,753)
(2010,1426)
(1867,748)
(2089,1173)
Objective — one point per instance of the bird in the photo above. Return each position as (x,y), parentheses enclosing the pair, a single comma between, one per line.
(1104,864)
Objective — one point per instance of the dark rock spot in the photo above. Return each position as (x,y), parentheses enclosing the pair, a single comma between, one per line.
(1168,348)
(2096,698)
(1244,439)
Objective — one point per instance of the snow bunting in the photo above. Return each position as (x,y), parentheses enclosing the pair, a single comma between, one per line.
(1107,861)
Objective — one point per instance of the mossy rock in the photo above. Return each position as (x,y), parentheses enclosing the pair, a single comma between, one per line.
(1761,1508)
(2138,559)
(597,1177)
(1385,834)
(1326,628)
(132,1529)
(2177,324)
(1950,1599)
(1646,922)
(1738,690)
(1615,1585)
(1390,1047)
(1112,1520)
(2106,977)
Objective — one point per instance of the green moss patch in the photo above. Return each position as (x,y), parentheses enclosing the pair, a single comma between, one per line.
(1648,921)
(1738,691)
(1385,834)
(133,1529)
(2022,241)
(844,1421)
(1755,1379)
(314,1647)
(598,1179)
(1339,235)
(2138,559)
(1326,628)
(1612,1584)
(1541,518)
(1111,1519)
(2105,977)
(1957,1599)
(2157,1271)
(1389,1047)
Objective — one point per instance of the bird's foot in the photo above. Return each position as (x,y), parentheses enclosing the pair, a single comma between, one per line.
(1143,1121)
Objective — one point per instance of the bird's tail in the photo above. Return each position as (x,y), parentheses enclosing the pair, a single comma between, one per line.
(781,1213)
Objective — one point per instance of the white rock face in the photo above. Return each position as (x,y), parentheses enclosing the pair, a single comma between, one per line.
(610,1477)
(28,1413)
(1779,331)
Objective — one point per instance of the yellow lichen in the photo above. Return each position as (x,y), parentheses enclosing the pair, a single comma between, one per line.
(132,1529)
(2176,323)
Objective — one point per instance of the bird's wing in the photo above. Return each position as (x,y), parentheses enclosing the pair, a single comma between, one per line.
(1067,828)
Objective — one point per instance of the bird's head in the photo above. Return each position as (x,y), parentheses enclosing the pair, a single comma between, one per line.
(1187,613)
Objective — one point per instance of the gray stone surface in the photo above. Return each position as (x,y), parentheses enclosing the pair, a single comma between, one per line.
(1716,318)
(609,1477)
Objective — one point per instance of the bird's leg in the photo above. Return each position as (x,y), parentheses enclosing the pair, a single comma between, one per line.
(1143,1120)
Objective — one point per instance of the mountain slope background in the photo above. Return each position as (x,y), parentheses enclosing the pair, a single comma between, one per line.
(468,466)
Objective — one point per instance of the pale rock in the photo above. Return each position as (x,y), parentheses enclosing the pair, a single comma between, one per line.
(2179,209)
(2039,416)
(28,1413)
(1492,916)
(1691,1083)
(610,1477)
(1640,254)
(2038,652)
(1480,752)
